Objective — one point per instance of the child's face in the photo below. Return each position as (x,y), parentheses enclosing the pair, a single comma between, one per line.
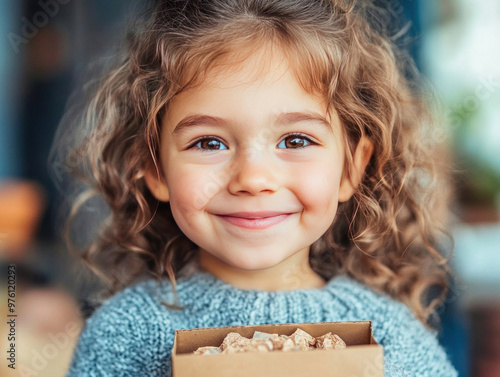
(226,148)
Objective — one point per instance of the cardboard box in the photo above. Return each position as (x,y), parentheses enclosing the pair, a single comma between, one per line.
(362,356)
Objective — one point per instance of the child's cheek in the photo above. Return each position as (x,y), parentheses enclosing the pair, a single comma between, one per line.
(193,187)
(318,188)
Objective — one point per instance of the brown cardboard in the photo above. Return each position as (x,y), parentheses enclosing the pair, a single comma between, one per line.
(362,357)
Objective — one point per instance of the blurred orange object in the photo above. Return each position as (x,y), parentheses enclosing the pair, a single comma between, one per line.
(21,206)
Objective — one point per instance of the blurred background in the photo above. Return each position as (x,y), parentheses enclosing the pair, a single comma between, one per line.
(46,49)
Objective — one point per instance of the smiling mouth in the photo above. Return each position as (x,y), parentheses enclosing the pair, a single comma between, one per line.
(255,222)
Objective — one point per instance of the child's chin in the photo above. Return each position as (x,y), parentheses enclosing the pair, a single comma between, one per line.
(257,262)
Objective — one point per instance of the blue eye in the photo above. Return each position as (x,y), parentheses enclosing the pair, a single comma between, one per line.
(209,144)
(295,141)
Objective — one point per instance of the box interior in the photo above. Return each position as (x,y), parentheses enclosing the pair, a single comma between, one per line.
(353,333)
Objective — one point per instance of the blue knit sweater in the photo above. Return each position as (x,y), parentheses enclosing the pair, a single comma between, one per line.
(132,334)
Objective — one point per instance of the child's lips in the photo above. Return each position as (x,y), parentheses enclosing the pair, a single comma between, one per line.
(255,220)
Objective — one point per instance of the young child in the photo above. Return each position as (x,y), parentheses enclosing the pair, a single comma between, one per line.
(264,161)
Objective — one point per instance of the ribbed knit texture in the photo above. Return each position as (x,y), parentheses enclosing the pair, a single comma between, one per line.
(132,334)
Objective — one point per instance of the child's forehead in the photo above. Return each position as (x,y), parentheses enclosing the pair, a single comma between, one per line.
(244,65)
(240,70)
(262,81)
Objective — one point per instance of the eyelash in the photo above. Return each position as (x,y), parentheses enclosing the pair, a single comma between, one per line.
(296,134)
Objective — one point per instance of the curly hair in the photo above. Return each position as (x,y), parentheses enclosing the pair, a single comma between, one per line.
(388,235)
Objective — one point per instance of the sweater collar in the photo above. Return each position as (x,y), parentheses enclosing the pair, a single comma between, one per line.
(200,277)
(212,302)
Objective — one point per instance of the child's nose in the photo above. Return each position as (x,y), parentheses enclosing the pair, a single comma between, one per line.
(253,172)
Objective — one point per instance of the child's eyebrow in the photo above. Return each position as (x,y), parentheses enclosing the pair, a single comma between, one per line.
(286,119)
(196,119)
(283,119)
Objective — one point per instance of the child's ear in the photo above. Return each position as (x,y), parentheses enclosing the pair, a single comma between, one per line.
(361,158)
(156,185)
